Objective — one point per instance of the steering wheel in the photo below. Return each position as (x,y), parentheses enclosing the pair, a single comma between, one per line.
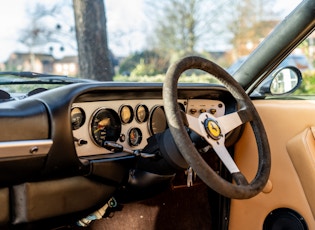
(213,130)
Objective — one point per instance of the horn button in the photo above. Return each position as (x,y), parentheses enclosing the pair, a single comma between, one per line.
(212,128)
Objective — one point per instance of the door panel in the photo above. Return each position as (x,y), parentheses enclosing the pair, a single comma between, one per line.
(301,149)
(283,120)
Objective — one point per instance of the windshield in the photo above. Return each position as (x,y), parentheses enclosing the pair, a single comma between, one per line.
(129,40)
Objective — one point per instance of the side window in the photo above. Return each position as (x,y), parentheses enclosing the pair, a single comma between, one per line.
(305,63)
(306,66)
(303,59)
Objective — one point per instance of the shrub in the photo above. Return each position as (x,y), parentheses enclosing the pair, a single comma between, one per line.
(205,78)
(308,84)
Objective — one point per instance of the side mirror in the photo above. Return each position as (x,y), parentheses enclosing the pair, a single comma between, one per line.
(286,81)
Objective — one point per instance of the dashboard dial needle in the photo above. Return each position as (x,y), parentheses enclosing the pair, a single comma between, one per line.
(102,124)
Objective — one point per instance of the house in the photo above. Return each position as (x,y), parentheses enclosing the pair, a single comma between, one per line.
(68,65)
(36,62)
(43,63)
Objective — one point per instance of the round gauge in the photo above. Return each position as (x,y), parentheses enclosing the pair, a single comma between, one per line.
(158,121)
(135,137)
(142,113)
(105,126)
(126,114)
(77,118)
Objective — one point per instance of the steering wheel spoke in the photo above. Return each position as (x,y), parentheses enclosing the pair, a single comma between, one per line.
(197,124)
(226,124)
(225,156)
(231,121)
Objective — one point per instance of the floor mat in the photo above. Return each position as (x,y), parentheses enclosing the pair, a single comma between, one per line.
(180,208)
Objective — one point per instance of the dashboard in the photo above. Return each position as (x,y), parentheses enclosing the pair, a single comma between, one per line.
(127,122)
(54,144)
(62,131)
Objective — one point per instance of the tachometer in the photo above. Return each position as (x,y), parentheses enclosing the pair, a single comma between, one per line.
(105,126)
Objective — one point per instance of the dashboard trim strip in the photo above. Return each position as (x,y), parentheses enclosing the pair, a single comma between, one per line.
(25,148)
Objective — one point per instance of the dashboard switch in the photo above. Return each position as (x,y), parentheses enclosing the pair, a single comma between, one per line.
(193,111)
(213,111)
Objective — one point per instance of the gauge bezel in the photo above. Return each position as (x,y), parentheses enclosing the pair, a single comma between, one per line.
(130,109)
(146,110)
(95,113)
(138,140)
(150,123)
(82,120)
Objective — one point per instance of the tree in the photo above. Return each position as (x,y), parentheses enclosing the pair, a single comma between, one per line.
(146,62)
(249,22)
(90,26)
(38,33)
(175,25)
(184,27)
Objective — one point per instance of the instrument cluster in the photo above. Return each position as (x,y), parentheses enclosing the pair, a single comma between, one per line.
(128,123)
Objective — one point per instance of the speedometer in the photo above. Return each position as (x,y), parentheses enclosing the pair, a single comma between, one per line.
(105,126)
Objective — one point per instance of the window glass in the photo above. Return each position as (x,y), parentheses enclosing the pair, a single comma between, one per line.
(303,58)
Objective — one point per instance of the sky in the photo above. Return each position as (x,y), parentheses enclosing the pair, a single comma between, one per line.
(123,16)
